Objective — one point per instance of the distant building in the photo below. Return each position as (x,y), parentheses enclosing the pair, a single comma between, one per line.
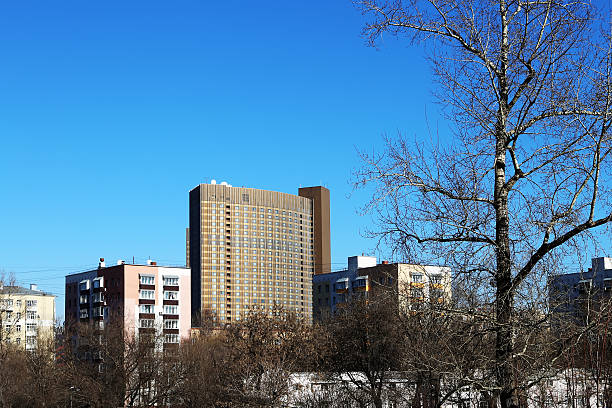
(334,288)
(414,285)
(145,298)
(27,316)
(255,248)
(577,293)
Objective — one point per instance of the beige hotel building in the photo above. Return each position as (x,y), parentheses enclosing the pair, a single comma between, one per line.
(250,248)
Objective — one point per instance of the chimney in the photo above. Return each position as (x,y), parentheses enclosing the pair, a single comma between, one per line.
(153,263)
(33,286)
(149,262)
(102,264)
(120,262)
(385,262)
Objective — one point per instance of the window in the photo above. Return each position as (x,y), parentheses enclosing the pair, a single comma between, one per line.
(170,324)
(84,314)
(170,295)
(171,280)
(31,327)
(98,282)
(97,297)
(31,340)
(84,285)
(83,299)
(31,315)
(417,278)
(146,294)
(18,328)
(435,279)
(416,293)
(147,280)
(171,338)
(147,309)
(31,303)
(98,311)
(147,323)
(170,309)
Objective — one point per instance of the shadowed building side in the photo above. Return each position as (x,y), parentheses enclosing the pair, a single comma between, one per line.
(321,221)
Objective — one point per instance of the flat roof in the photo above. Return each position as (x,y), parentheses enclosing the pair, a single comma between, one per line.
(18,290)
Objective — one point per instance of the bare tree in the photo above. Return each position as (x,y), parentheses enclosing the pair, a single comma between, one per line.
(264,350)
(363,348)
(248,363)
(525,86)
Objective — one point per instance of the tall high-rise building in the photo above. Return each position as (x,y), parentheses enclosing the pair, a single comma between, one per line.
(255,248)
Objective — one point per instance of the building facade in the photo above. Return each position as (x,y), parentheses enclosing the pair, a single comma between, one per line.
(143,298)
(413,286)
(577,293)
(27,316)
(332,289)
(255,248)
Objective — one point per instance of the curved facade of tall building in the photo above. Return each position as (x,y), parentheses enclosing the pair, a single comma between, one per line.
(255,248)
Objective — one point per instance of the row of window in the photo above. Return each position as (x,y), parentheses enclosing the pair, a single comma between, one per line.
(150,323)
(86,284)
(253,218)
(30,341)
(278,244)
(17,328)
(9,303)
(247,209)
(168,309)
(30,315)
(263,301)
(254,228)
(212,270)
(150,294)
(167,280)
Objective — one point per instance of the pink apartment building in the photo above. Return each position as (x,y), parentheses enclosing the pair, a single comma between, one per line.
(147,298)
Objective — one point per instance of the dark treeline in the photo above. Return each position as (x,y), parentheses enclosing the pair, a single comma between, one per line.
(371,354)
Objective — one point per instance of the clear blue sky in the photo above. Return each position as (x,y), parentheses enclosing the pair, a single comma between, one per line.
(110,112)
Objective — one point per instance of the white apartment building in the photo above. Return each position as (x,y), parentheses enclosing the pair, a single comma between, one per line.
(27,316)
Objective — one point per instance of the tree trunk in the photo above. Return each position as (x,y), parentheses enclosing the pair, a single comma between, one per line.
(377,400)
(503,297)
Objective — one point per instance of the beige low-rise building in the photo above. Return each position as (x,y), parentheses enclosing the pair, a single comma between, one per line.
(412,286)
(27,316)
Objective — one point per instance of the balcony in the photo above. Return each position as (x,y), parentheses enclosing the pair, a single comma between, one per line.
(584,286)
(360,284)
(341,285)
